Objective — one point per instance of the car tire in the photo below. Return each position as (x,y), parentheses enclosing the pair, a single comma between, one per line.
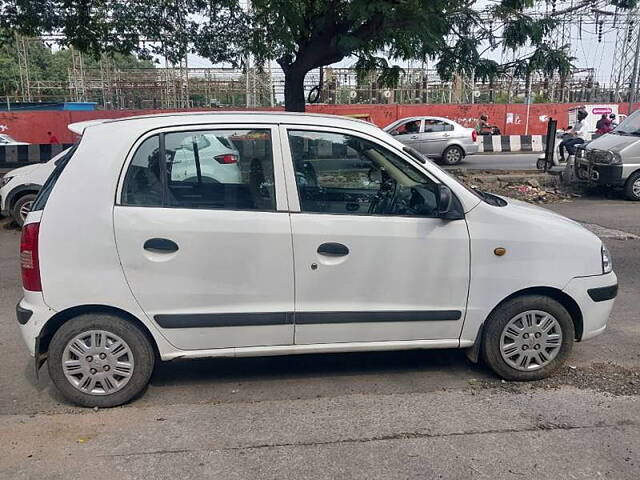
(515,343)
(541,163)
(22,207)
(85,380)
(452,155)
(632,187)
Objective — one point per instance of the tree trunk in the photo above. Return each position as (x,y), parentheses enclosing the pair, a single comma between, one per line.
(294,90)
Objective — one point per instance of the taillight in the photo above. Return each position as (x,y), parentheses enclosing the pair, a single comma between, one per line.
(474,135)
(29,259)
(226,159)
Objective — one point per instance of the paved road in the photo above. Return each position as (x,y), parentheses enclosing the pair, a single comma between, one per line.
(370,415)
(500,161)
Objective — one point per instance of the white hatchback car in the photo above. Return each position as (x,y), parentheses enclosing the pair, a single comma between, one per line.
(19,187)
(337,239)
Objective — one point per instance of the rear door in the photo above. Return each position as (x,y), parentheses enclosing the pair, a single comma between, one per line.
(437,134)
(204,236)
(373,262)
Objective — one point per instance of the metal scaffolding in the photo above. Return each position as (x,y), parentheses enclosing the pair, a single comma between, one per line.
(625,57)
(22,47)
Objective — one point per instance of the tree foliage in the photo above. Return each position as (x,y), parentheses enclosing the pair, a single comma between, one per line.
(305,34)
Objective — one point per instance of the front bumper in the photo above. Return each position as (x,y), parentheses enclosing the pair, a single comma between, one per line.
(599,174)
(595,296)
(4,207)
(32,314)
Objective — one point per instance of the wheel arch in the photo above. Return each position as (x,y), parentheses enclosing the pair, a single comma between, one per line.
(628,180)
(20,191)
(455,144)
(60,318)
(561,297)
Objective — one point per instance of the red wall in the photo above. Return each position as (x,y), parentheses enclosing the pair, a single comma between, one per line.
(32,127)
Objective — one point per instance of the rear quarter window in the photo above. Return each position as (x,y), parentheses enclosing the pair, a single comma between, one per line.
(41,200)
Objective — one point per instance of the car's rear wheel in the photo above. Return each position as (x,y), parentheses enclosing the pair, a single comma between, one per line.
(22,207)
(528,338)
(99,360)
(452,155)
(632,187)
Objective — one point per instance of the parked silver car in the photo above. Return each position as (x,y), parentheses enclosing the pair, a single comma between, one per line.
(614,159)
(436,137)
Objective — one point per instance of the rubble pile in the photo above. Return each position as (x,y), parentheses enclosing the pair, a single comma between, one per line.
(529,187)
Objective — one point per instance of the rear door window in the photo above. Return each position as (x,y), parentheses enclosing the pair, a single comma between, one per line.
(206,169)
(432,125)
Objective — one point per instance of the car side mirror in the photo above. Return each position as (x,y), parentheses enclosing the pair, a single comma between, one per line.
(449,207)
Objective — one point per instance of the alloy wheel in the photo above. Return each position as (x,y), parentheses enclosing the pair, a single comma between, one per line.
(636,188)
(25,208)
(453,156)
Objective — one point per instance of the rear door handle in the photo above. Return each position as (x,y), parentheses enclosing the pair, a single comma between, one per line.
(333,249)
(161,245)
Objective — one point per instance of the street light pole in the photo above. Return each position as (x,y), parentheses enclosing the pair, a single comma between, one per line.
(633,85)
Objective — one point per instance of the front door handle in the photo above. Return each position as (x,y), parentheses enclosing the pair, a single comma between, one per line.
(161,245)
(414,137)
(333,249)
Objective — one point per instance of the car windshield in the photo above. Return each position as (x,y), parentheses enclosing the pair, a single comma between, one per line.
(631,125)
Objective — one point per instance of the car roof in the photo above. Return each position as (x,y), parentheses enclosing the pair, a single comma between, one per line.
(431,117)
(185,118)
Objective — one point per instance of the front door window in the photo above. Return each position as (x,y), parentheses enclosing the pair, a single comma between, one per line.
(344,174)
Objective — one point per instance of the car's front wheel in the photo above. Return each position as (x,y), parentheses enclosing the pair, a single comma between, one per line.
(22,207)
(99,360)
(528,338)
(632,187)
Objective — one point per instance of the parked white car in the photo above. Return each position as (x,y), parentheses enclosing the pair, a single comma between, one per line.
(438,138)
(19,187)
(218,158)
(339,239)
(6,140)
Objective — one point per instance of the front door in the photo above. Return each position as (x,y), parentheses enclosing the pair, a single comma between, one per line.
(373,262)
(203,238)
(409,133)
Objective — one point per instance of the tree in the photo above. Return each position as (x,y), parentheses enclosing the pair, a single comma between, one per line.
(302,35)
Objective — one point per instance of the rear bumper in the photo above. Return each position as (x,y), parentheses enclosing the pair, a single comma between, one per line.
(471,148)
(32,313)
(595,296)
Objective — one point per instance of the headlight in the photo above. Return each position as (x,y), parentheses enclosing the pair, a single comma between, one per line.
(610,158)
(4,180)
(607,262)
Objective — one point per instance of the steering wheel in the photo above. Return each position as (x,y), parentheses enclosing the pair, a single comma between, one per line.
(385,198)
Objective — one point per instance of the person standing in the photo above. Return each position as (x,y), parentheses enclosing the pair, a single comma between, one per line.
(52,138)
